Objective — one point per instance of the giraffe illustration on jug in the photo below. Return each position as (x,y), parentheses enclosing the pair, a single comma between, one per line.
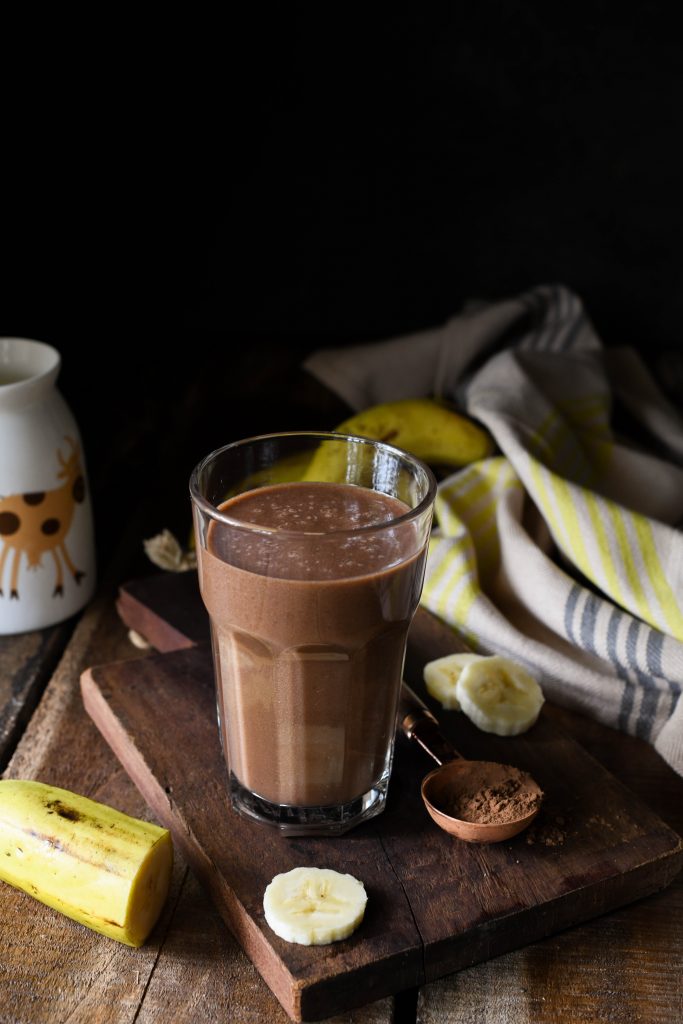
(33,524)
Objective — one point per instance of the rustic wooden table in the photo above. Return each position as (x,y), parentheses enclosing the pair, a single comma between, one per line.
(625,966)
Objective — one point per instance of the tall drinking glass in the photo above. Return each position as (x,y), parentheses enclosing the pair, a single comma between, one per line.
(311,554)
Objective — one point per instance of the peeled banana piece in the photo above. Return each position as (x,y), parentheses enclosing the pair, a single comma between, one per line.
(314,906)
(495,693)
(441,678)
(499,696)
(98,866)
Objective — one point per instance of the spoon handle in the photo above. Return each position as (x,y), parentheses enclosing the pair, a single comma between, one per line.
(419,724)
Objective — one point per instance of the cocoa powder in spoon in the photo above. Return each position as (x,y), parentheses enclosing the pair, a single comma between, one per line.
(508,800)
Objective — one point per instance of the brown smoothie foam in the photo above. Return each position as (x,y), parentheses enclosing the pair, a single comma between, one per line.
(309,631)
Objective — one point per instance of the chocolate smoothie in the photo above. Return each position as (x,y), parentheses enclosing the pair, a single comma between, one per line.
(310,609)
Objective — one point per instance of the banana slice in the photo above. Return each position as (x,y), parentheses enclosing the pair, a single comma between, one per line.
(313,906)
(499,696)
(441,677)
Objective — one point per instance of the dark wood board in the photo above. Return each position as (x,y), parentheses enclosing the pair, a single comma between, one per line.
(436,904)
(27,661)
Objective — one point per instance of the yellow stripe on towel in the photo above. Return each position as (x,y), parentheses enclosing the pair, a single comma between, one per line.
(617,572)
(671,608)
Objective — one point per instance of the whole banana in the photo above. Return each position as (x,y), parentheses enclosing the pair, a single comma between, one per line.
(425,428)
(97,865)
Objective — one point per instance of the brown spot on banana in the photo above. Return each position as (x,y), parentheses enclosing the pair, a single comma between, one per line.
(73,851)
(63,810)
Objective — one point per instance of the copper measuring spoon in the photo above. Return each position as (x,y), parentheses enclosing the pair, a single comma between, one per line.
(455,776)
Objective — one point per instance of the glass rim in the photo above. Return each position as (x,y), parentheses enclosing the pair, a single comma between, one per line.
(214,513)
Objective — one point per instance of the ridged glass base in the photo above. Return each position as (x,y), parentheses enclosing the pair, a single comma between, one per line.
(328,820)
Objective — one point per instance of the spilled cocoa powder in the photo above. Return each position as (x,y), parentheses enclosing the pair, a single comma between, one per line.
(510,799)
(545,833)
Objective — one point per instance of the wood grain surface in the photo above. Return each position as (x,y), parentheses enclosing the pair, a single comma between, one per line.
(52,969)
(26,664)
(611,850)
(180,771)
(624,966)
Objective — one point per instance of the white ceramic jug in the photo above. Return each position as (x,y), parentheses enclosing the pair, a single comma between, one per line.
(47,550)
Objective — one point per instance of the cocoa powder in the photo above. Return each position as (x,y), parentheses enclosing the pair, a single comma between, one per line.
(513,797)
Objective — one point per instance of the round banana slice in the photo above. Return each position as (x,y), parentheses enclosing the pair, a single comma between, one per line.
(313,906)
(499,696)
(441,677)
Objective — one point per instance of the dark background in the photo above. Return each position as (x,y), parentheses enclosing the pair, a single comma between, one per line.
(207,203)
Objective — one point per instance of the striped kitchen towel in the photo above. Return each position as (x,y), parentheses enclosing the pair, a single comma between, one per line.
(564,550)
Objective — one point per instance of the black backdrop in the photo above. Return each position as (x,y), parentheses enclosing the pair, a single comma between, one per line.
(308,175)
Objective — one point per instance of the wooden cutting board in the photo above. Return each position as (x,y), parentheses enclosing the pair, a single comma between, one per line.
(435,904)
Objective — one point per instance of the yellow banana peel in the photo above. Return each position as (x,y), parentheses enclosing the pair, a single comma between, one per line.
(422,426)
(94,864)
(425,428)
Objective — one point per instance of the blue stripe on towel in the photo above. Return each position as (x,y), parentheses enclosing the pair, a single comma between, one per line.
(650,697)
(655,645)
(627,693)
(569,610)
(655,642)
(588,621)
